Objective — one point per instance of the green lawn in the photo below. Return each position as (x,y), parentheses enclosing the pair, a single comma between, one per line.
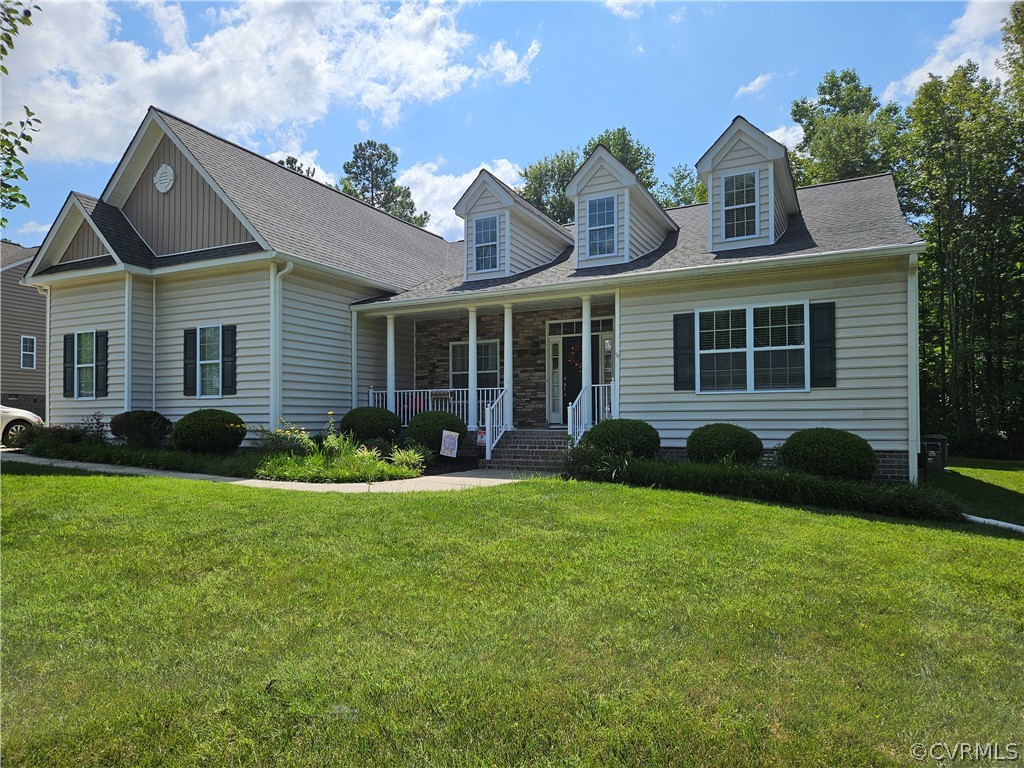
(993,489)
(163,622)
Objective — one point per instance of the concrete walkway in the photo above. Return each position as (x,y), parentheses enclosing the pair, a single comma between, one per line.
(456,481)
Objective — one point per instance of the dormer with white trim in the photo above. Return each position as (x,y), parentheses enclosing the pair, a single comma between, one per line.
(751,194)
(617,218)
(504,234)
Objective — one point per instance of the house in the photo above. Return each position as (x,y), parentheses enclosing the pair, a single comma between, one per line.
(22,333)
(207,276)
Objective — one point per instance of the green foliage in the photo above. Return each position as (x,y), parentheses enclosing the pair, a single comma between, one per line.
(15,138)
(684,187)
(370,177)
(623,438)
(426,428)
(717,443)
(293,164)
(828,452)
(409,458)
(54,446)
(638,157)
(369,423)
(209,430)
(141,429)
(337,459)
(981,445)
(544,184)
(1012,61)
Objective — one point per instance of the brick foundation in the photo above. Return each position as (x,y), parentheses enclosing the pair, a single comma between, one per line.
(26,402)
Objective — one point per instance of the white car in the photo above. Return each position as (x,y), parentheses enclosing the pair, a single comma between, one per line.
(14,421)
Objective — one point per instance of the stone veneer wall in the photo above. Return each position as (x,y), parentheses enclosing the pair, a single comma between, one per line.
(529,371)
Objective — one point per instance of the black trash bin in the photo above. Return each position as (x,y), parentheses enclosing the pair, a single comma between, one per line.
(935,449)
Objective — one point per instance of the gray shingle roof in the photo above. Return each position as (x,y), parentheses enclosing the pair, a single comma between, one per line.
(79,264)
(841,216)
(117,231)
(304,218)
(12,253)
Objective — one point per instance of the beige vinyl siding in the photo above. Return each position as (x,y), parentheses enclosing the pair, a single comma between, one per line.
(24,315)
(601,184)
(84,245)
(142,343)
(485,205)
(530,246)
(189,216)
(373,341)
(89,306)
(237,297)
(645,231)
(781,221)
(740,158)
(871,358)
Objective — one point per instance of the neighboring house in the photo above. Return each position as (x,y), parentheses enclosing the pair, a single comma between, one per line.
(208,276)
(22,333)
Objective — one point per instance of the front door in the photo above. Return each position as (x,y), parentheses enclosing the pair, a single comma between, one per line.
(566,363)
(572,373)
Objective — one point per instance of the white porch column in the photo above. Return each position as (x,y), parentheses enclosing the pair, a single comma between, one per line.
(588,363)
(508,366)
(391,364)
(471,417)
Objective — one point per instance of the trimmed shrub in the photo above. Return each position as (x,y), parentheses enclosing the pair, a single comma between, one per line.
(370,424)
(426,428)
(141,429)
(623,437)
(718,443)
(209,430)
(828,452)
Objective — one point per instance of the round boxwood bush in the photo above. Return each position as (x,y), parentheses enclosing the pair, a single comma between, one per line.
(829,452)
(370,424)
(209,430)
(716,443)
(426,428)
(624,437)
(141,429)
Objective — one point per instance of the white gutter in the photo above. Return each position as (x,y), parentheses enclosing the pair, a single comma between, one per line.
(128,341)
(276,281)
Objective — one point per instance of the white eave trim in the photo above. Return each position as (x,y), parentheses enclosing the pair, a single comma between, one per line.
(14,264)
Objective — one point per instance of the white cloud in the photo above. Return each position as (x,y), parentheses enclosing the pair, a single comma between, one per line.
(790,135)
(265,70)
(308,160)
(437,192)
(628,9)
(33,228)
(507,64)
(755,85)
(975,35)
(679,15)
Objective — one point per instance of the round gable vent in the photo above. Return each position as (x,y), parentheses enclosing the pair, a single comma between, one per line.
(164,178)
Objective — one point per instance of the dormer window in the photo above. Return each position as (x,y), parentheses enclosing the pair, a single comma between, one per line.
(601,226)
(740,205)
(485,243)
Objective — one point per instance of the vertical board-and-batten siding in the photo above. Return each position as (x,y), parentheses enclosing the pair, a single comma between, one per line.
(238,297)
(92,306)
(531,247)
(871,397)
(189,216)
(24,315)
(142,343)
(601,184)
(485,205)
(741,157)
(84,245)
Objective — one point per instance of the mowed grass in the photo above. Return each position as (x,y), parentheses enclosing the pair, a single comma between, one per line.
(992,489)
(164,622)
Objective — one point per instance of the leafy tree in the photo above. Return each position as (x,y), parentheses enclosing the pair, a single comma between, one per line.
(293,164)
(14,137)
(684,188)
(370,177)
(631,153)
(1012,61)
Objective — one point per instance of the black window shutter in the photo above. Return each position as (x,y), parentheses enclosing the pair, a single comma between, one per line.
(684,352)
(189,371)
(69,365)
(823,344)
(101,363)
(227,360)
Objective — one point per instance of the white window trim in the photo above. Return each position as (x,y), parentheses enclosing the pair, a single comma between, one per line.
(79,366)
(615,226)
(22,353)
(749,349)
(200,362)
(451,373)
(757,203)
(497,251)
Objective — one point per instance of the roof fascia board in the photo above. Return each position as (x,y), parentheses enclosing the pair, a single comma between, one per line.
(600,155)
(65,277)
(51,235)
(125,162)
(763,143)
(610,282)
(96,229)
(18,263)
(472,194)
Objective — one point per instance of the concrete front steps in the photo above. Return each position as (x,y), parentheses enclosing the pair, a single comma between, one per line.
(529,450)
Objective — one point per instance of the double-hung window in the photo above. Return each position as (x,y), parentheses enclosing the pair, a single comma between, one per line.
(749,349)
(486,364)
(485,243)
(85,364)
(209,361)
(28,352)
(740,205)
(601,226)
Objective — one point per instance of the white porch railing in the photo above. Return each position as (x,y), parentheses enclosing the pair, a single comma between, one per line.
(604,404)
(409,402)
(494,423)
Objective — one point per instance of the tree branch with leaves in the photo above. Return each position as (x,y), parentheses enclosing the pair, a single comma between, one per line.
(15,136)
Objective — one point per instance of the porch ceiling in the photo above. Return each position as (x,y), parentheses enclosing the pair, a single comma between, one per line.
(521,304)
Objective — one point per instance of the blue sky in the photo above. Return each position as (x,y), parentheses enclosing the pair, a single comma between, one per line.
(452,87)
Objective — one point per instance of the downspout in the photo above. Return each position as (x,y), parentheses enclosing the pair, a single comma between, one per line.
(44,290)
(276,331)
(913,372)
(153,335)
(128,290)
